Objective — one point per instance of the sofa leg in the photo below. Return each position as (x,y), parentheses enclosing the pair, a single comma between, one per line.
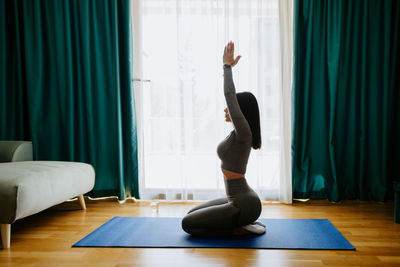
(5,235)
(82,202)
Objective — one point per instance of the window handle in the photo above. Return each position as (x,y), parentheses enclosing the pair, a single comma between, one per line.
(141,80)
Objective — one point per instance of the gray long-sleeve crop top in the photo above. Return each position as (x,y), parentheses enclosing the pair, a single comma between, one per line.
(234,150)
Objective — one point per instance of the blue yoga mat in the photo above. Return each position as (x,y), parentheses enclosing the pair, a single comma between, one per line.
(167,233)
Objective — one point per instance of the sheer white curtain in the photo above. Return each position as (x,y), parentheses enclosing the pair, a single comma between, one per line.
(178,47)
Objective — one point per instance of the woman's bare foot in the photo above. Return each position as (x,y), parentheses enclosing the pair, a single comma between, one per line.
(256,227)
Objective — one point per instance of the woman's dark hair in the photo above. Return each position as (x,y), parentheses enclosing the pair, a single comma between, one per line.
(249,107)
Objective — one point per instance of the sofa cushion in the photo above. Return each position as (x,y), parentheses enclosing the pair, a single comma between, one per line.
(29,187)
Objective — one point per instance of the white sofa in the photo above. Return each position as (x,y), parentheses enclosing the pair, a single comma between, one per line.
(28,187)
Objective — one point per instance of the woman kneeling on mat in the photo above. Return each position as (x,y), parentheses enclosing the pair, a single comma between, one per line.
(236,214)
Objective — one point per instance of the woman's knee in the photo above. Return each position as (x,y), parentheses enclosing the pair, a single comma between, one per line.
(187,224)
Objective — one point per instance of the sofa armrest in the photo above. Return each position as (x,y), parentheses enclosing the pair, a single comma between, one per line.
(11,151)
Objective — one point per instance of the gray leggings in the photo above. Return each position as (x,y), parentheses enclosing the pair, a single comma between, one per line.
(219,217)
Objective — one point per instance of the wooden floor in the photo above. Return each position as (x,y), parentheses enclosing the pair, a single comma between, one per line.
(45,239)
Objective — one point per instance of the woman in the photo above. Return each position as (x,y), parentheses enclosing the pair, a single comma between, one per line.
(236,214)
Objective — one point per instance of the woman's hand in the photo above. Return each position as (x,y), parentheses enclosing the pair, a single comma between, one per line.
(229,58)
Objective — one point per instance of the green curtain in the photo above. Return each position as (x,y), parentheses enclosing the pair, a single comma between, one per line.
(66,85)
(346,97)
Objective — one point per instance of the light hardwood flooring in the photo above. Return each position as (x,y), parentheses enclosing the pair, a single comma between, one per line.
(45,239)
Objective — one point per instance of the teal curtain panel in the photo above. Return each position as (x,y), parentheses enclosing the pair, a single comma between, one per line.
(65,76)
(346,98)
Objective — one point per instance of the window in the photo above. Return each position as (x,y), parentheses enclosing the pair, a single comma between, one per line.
(183,120)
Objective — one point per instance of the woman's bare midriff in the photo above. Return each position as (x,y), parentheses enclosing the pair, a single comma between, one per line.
(229,175)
